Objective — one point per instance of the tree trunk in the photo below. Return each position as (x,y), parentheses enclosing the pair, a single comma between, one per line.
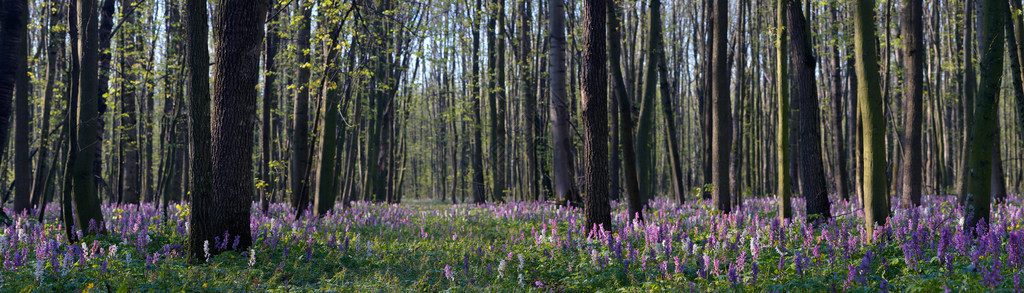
(300,122)
(721,119)
(645,135)
(565,187)
(783,188)
(594,87)
(913,59)
(203,224)
(326,190)
(22,159)
(478,123)
(238,29)
(87,203)
(985,125)
(812,171)
(869,96)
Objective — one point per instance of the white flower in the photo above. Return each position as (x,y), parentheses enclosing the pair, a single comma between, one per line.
(520,261)
(520,280)
(112,251)
(39,269)
(206,249)
(252,257)
(85,250)
(501,268)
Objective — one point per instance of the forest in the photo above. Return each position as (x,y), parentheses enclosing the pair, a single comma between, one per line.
(511,145)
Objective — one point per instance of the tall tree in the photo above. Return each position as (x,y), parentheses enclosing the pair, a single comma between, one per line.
(594,87)
(645,129)
(87,203)
(201,225)
(498,106)
(869,98)
(978,198)
(812,170)
(913,60)
(565,187)
(238,30)
(22,159)
(300,122)
(722,116)
(478,122)
(13,25)
(783,188)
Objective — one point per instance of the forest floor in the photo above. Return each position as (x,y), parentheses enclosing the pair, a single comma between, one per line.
(430,246)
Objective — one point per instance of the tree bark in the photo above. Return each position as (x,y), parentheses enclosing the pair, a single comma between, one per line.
(869,96)
(238,29)
(87,203)
(565,187)
(784,188)
(985,123)
(721,119)
(913,59)
(203,224)
(22,159)
(594,88)
(300,122)
(812,171)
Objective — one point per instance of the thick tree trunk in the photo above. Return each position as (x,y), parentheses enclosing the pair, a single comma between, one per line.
(869,96)
(202,224)
(22,159)
(913,59)
(784,188)
(478,123)
(594,88)
(812,170)
(87,203)
(721,120)
(985,123)
(300,122)
(238,29)
(565,187)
